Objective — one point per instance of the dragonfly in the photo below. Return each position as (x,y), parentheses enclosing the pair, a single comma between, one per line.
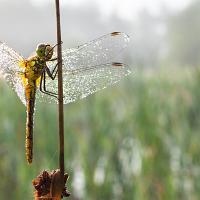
(87,69)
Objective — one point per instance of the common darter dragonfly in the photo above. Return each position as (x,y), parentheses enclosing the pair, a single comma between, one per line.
(86,69)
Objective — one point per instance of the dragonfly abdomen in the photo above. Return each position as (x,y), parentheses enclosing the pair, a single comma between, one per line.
(30,91)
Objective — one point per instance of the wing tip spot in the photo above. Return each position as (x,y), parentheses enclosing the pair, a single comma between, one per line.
(117,64)
(126,37)
(115,33)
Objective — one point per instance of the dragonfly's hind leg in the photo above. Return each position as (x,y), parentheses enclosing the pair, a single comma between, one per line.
(43,86)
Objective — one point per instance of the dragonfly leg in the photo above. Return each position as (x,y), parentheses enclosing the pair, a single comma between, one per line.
(55,70)
(53,59)
(54,47)
(43,87)
(51,74)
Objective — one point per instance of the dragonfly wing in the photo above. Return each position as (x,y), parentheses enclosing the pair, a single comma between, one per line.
(80,83)
(95,52)
(84,68)
(10,70)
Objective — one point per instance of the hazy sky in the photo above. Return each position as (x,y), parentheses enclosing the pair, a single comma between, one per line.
(84,20)
(125,9)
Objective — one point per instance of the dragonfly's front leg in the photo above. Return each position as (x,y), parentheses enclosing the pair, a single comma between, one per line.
(51,74)
(54,48)
(53,59)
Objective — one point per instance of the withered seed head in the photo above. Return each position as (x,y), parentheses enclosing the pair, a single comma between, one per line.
(45,186)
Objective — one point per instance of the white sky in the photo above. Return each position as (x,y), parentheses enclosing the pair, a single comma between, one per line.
(126,9)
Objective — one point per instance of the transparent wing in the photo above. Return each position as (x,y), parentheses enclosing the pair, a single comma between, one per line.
(10,70)
(86,69)
(95,52)
(79,83)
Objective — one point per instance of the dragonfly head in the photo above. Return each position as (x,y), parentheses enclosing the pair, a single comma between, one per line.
(44,51)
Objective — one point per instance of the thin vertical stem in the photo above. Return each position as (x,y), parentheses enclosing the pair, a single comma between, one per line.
(60,92)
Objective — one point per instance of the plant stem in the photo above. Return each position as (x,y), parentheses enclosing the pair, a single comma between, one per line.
(60,92)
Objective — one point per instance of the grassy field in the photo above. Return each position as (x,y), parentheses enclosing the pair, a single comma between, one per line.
(137,140)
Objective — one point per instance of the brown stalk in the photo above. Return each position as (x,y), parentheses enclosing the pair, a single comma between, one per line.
(60,92)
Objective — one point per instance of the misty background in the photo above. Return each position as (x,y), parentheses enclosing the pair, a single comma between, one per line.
(136,140)
(160,33)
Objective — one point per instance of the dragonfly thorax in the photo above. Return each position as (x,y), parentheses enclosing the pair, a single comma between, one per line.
(44,51)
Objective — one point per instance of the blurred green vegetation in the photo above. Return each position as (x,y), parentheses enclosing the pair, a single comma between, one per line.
(136,140)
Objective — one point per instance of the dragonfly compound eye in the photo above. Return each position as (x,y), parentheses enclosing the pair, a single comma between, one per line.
(40,50)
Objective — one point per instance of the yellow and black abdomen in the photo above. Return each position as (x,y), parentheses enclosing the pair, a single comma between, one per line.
(31,77)
(30,91)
